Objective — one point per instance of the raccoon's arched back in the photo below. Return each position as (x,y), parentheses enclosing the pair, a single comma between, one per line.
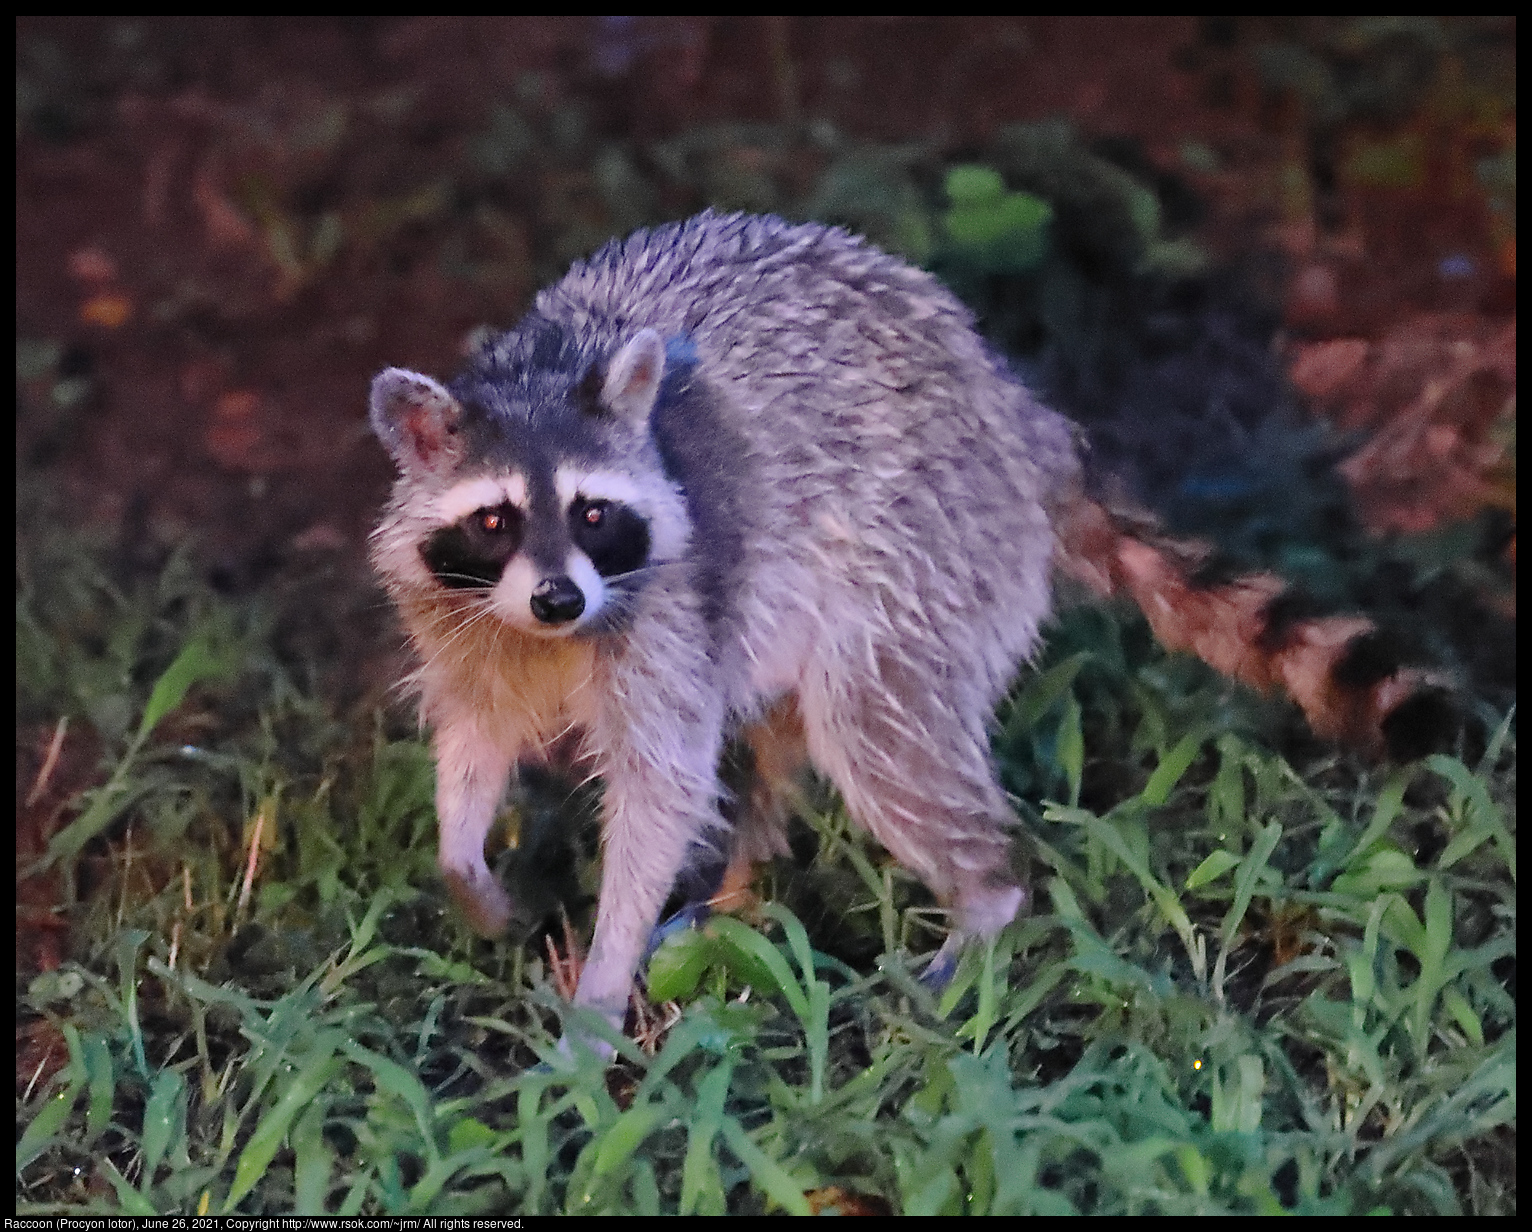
(795,294)
(840,358)
(833,358)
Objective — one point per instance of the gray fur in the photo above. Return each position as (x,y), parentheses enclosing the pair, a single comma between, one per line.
(855,500)
(634,375)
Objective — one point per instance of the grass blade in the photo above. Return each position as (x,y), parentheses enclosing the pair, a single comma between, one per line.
(317,1070)
(767,1172)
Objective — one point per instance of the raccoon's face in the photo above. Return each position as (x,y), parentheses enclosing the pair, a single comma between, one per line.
(562,549)
(534,496)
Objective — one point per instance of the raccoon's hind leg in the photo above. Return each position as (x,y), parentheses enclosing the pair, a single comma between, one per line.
(915,770)
(760,782)
(778,749)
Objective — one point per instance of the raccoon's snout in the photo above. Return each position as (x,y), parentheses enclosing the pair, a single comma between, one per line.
(557,601)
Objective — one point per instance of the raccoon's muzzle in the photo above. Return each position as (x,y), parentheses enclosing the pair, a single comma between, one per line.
(557,601)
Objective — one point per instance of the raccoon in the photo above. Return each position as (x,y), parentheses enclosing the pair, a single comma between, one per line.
(736,478)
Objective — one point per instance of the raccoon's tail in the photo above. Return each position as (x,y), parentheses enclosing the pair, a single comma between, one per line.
(1341,670)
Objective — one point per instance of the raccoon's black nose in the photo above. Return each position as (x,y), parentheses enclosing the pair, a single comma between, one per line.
(557,600)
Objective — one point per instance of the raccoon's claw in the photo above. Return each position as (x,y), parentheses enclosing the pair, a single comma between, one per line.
(944,963)
(480,897)
(578,1037)
(981,912)
(940,970)
(566,1049)
(686,917)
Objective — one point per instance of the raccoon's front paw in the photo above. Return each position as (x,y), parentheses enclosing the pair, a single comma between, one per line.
(942,966)
(480,897)
(603,1050)
(690,916)
(587,1033)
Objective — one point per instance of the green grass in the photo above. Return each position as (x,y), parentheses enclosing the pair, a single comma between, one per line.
(1241,988)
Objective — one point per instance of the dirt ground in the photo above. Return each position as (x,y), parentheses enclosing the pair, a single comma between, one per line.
(225,226)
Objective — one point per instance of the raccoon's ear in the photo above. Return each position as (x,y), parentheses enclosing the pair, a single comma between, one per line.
(633,377)
(416,419)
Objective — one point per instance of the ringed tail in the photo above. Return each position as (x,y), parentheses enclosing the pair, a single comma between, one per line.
(1339,669)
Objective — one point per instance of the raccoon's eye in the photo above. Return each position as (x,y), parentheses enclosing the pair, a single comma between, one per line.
(493,522)
(614,536)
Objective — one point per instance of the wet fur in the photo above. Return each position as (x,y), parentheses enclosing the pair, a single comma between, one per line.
(855,509)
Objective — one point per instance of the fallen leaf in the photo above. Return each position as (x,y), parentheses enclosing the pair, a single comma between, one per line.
(92,265)
(233,444)
(1324,369)
(320,537)
(110,310)
(237,405)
